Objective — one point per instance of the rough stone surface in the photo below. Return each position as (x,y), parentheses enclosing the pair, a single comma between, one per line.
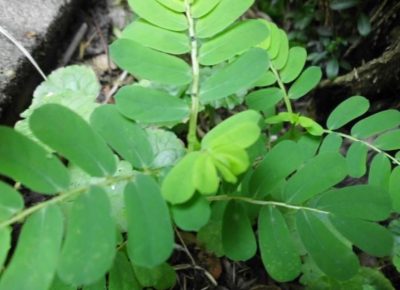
(39,25)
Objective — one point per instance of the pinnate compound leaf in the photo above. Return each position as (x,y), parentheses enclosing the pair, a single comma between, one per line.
(233,41)
(238,238)
(264,99)
(202,7)
(176,5)
(67,133)
(357,159)
(295,64)
(331,143)
(178,186)
(11,202)
(394,189)
(330,255)
(279,163)
(151,107)
(150,64)
(377,123)
(27,162)
(134,146)
(347,111)
(229,125)
(306,82)
(280,61)
(157,38)
(389,141)
(121,276)
(379,171)
(226,12)
(5,244)
(156,13)
(320,173)
(278,252)
(89,247)
(193,214)
(367,202)
(238,75)
(369,237)
(150,234)
(35,269)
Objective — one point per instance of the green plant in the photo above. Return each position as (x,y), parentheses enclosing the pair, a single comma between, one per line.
(236,174)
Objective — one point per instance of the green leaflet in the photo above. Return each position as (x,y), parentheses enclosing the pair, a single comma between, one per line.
(369,237)
(89,247)
(157,38)
(100,285)
(364,25)
(34,269)
(77,79)
(192,215)
(159,15)
(176,5)
(320,173)
(262,100)
(11,202)
(331,143)
(67,133)
(150,234)
(394,188)
(279,163)
(238,238)
(150,64)
(306,82)
(160,277)
(221,17)
(278,252)
(343,4)
(267,79)
(357,159)
(168,279)
(309,145)
(178,186)
(366,202)
(332,68)
(27,162)
(60,285)
(229,128)
(210,235)
(202,7)
(134,146)
(167,148)
(121,275)
(331,256)
(233,41)
(379,171)
(5,244)
(151,107)
(238,75)
(347,111)
(274,39)
(389,141)
(295,64)
(375,124)
(280,61)
(233,157)
(205,176)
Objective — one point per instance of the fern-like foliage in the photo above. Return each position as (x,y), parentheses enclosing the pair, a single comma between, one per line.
(118,174)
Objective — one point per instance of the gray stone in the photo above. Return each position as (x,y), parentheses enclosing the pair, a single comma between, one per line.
(39,25)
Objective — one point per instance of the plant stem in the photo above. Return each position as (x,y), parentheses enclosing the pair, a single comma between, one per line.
(262,202)
(61,197)
(191,138)
(394,160)
(282,86)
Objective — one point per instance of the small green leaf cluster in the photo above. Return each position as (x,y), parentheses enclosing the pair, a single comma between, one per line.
(116,169)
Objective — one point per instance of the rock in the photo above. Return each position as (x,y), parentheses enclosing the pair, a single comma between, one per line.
(40,27)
